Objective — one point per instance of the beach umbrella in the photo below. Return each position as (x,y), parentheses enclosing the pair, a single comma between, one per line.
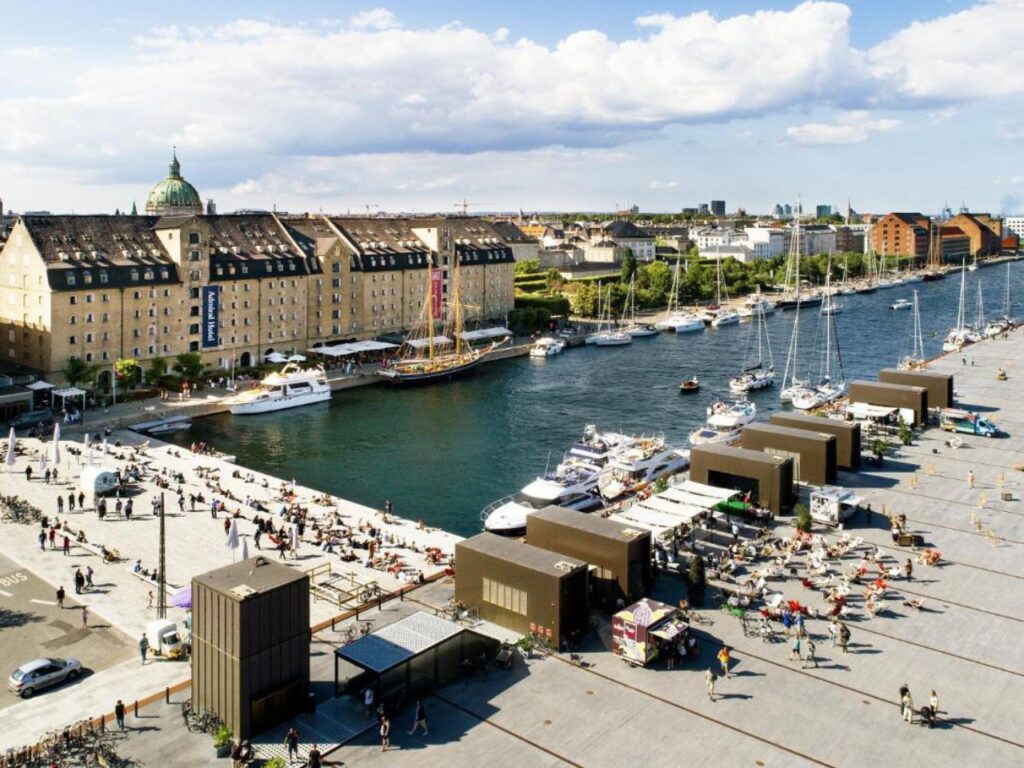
(11,455)
(87,449)
(183,599)
(232,541)
(42,460)
(55,448)
(106,449)
(245,549)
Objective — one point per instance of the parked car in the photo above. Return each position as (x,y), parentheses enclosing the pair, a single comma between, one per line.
(42,673)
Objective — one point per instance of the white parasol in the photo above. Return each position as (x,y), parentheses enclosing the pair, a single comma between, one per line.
(11,455)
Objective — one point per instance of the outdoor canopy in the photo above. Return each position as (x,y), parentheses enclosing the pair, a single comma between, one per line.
(419,343)
(485,333)
(352,348)
(39,385)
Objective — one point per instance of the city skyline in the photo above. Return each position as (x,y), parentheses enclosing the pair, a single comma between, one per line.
(344,106)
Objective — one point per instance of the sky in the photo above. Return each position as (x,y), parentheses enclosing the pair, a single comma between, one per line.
(417,106)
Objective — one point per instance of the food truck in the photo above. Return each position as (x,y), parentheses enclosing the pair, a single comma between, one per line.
(645,630)
(831,505)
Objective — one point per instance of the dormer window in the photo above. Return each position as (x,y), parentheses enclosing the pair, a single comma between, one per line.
(71,278)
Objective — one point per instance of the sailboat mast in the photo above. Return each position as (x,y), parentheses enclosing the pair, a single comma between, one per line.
(828,324)
(963,295)
(457,329)
(918,340)
(430,306)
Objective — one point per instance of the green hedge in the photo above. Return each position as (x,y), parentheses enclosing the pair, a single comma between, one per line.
(556,305)
(535,287)
(525,320)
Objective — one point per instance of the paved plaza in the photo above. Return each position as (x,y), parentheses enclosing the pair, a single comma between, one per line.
(962,641)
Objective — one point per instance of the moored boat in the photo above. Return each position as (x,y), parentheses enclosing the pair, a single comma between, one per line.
(290,387)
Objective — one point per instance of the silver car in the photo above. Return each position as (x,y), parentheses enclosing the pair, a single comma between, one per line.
(42,673)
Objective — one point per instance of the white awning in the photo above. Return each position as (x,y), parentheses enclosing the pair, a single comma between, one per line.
(69,392)
(275,357)
(868,411)
(485,333)
(420,343)
(684,512)
(296,358)
(700,489)
(650,516)
(656,530)
(39,385)
(352,348)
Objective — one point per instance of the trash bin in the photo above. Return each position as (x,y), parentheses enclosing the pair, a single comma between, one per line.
(310,703)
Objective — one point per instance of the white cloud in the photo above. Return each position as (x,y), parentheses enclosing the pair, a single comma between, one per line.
(259,86)
(656,184)
(35,51)
(962,56)
(1010,130)
(851,128)
(247,187)
(376,18)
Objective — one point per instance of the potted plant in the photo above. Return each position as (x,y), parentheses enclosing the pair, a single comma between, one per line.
(222,740)
(906,434)
(803,517)
(526,646)
(276,762)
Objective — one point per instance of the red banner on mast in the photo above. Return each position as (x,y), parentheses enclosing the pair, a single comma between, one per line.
(435,290)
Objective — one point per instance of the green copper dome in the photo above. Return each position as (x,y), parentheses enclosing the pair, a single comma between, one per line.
(174,196)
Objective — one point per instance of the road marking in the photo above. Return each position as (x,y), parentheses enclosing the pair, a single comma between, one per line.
(42,602)
(6,594)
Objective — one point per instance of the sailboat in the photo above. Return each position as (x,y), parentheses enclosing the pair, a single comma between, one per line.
(758,375)
(426,356)
(974,264)
(633,328)
(792,384)
(868,286)
(916,357)
(676,319)
(961,335)
(845,288)
(827,389)
(1004,323)
(592,338)
(611,336)
(724,315)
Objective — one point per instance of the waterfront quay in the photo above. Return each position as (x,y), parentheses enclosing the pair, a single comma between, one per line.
(961,641)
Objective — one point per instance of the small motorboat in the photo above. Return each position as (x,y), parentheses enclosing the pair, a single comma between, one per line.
(690,385)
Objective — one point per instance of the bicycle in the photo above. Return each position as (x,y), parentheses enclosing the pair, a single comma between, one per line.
(371,593)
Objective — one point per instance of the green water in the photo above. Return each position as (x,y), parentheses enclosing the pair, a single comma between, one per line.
(443,452)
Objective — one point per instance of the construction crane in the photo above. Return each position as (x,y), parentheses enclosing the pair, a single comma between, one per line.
(465,205)
(369,206)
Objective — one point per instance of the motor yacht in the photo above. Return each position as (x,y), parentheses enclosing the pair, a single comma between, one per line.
(725,422)
(290,387)
(901,304)
(636,466)
(547,346)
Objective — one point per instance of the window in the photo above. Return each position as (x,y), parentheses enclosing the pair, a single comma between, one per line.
(73,300)
(88,318)
(88,357)
(88,338)
(504,596)
(72,320)
(194,328)
(72,340)
(138,295)
(193,238)
(193,293)
(193,346)
(193,256)
(193,311)
(87,278)
(103,277)
(71,279)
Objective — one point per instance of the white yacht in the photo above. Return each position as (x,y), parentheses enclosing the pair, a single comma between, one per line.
(756,374)
(962,334)
(547,346)
(900,304)
(290,387)
(631,469)
(725,317)
(573,484)
(725,422)
(676,319)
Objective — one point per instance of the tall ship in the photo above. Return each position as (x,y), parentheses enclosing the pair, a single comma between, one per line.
(290,387)
(572,484)
(435,349)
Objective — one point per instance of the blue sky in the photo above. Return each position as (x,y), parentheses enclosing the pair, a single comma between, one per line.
(416,105)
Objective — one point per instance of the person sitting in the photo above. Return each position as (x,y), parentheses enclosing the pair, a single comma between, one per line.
(242,754)
(137,567)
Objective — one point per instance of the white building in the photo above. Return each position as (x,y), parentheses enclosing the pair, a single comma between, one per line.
(766,242)
(1014,224)
(625,234)
(712,238)
(741,252)
(605,252)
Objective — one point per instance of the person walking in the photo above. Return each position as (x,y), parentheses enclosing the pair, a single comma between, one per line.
(67,547)
(723,659)
(314,759)
(710,678)
(42,540)
(291,740)
(809,658)
(794,652)
(149,599)
(53,537)
(833,632)
(119,714)
(60,505)
(970,478)
(907,703)
(844,637)
(88,576)
(368,701)
(28,473)
(908,570)
(60,597)
(143,647)
(79,581)
(419,719)
(933,702)
(71,502)
(385,733)
(85,617)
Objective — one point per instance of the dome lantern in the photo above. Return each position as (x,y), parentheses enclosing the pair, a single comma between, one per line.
(174,196)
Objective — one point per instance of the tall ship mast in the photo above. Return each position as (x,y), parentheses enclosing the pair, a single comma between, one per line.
(427,356)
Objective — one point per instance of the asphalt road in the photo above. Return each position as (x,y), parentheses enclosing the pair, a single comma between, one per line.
(31,624)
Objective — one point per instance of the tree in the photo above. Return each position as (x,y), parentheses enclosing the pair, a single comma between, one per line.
(77,370)
(906,433)
(698,581)
(628,266)
(128,373)
(157,369)
(879,447)
(583,299)
(555,280)
(527,267)
(189,365)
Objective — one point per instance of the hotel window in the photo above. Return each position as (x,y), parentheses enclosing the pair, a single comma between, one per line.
(135,275)
(88,357)
(72,320)
(71,279)
(105,355)
(88,318)
(193,238)
(88,338)
(193,346)
(87,278)
(72,299)
(73,340)
(103,276)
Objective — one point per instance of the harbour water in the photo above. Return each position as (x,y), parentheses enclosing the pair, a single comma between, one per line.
(441,453)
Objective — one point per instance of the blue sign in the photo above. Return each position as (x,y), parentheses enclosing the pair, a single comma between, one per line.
(211,316)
